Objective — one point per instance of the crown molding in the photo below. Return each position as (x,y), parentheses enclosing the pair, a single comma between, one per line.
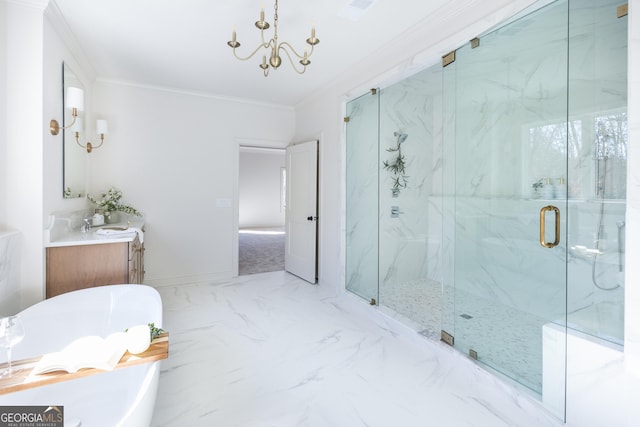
(200,94)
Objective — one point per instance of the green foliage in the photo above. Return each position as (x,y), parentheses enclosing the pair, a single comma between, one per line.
(110,202)
(397,168)
(155,332)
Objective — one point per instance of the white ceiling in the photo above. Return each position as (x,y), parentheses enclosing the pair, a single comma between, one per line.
(182,44)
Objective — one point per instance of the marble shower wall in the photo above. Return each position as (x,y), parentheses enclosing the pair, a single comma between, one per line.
(503,95)
(386,258)
(410,248)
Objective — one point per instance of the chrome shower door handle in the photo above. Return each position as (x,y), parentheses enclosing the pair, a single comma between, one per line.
(543,213)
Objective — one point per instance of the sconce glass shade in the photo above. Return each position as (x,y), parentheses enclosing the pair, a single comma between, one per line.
(75,98)
(102,127)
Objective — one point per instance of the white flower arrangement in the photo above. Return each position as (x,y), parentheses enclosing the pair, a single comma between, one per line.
(110,202)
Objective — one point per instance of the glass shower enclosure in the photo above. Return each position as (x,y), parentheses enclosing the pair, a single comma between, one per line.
(486,197)
(361,244)
(509,250)
(394,198)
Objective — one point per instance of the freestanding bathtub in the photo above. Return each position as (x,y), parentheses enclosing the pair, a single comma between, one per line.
(123,397)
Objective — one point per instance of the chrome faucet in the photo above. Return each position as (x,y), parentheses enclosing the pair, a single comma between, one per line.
(86,225)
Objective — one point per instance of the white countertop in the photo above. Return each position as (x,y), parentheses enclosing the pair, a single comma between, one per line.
(74,238)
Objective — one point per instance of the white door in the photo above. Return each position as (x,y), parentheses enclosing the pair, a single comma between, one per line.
(301,214)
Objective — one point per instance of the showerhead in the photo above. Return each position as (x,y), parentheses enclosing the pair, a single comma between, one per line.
(401,136)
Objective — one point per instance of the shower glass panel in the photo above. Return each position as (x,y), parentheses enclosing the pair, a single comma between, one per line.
(362,159)
(410,199)
(597,159)
(509,269)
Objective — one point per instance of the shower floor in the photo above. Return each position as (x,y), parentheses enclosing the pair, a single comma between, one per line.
(504,338)
(420,301)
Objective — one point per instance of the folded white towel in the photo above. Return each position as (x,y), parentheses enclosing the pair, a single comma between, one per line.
(140,233)
(113,231)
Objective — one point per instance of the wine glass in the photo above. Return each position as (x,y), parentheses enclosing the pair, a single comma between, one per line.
(11,333)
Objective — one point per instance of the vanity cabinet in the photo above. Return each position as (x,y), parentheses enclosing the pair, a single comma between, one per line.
(83,266)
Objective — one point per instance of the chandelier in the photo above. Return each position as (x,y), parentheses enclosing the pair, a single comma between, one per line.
(273,48)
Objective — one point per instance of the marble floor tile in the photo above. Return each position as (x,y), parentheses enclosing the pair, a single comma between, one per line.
(272,350)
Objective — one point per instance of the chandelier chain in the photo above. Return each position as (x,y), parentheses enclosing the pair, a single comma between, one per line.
(275,16)
(275,26)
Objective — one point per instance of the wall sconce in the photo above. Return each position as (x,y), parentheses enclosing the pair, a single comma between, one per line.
(74,101)
(102,129)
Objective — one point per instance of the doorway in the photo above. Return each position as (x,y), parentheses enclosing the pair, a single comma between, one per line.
(261,210)
(301,222)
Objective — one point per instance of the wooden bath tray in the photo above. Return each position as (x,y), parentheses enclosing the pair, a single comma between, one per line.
(21,379)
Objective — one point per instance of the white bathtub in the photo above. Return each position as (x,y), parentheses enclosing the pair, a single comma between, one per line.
(123,397)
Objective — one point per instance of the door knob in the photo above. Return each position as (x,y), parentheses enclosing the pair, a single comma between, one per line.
(312,218)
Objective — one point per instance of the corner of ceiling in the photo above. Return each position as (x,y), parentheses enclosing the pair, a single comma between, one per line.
(55,17)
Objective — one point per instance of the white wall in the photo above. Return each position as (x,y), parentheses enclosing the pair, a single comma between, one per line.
(23,150)
(259,187)
(3,112)
(175,157)
(10,272)
(31,158)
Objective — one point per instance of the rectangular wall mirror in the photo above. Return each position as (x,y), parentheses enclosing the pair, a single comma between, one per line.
(73,156)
